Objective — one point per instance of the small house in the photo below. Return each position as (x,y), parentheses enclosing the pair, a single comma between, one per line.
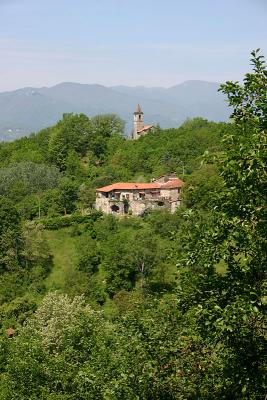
(135,198)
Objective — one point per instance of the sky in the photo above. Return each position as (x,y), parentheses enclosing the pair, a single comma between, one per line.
(123,42)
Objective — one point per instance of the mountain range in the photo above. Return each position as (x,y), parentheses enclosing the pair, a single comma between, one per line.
(28,110)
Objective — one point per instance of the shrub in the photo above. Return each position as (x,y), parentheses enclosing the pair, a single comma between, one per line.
(65,221)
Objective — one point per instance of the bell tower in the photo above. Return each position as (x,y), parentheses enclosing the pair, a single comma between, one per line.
(138,122)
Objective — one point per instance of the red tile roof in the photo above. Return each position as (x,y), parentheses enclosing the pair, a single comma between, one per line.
(129,186)
(145,128)
(172,184)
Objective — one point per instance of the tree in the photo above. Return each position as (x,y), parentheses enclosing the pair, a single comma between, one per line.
(202,187)
(51,351)
(89,255)
(20,180)
(86,196)
(51,203)
(107,125)
(73,166)
(68,194)
(230,307)
(144,254)
(103,128)
(10,236)
(29,206)
(129,257)
(36,250)
(81,134)
(71,133)
(26,178)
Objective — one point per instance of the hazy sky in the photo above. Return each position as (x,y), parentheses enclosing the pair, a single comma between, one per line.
(137,42)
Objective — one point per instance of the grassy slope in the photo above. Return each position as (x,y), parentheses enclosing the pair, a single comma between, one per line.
(66,278)
(63,248)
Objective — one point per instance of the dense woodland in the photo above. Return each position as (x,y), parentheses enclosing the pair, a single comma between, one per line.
(163,306)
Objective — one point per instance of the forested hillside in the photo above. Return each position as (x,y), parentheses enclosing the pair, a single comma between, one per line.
(163,306)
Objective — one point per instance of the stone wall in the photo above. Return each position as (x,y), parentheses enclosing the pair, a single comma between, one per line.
(102,204)
(138,125)
(168,199)
(136,207)
(172,194)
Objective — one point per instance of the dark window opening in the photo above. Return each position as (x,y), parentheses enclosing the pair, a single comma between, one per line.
(141,195)
(115,208)
(117,195)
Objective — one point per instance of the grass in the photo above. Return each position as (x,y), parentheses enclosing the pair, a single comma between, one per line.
(63,249)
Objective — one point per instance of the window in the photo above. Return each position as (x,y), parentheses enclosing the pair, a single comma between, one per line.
(117,195)
(155,193)
(114,208)
(142,195)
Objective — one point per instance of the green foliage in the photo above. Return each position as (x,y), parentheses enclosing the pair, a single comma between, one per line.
(73,166)
(28,207)
(50,205)
(91,152)
(68,195)
(35,249)
(25,268)
(86,197)
(183,295)
(69,349)
(89,255)
(81,134)
(27,149)
(16,312)
(203,187)
(10,236)
(164,151)
(68,134)
(22,179)
(63,222)
(103,128)
(63,275)
(130,255)
(230,308)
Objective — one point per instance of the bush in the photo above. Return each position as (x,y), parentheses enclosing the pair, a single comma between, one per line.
(65,221)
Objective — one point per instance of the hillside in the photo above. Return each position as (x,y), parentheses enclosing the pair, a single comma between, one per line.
(30,109)
(160,306)
(132,307)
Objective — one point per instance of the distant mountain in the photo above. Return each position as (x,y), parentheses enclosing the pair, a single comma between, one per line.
(30,109)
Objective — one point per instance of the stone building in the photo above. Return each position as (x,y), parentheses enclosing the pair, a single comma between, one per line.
(135,198)
(139,128)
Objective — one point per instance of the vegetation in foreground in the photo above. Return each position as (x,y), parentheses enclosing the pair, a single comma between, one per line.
(159,307)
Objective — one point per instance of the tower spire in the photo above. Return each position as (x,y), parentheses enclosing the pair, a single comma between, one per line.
(138,109)
(138,121)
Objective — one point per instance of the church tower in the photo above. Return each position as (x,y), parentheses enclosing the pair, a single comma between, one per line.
(138,122)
